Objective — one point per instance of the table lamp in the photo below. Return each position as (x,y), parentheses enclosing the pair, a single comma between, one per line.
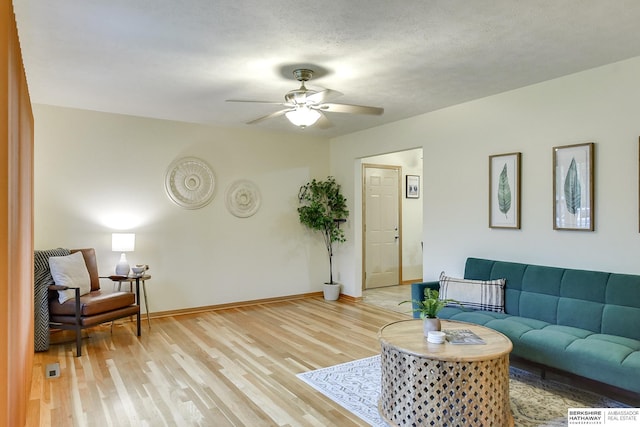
(123,242)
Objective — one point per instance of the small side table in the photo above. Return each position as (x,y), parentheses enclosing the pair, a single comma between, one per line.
(131,280)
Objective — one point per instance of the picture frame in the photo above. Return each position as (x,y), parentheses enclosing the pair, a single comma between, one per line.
(412,186)
(504,190)
(573,196)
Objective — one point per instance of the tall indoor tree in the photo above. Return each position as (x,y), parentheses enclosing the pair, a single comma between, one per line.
(323,208)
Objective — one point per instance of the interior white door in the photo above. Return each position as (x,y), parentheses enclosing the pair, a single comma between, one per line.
(382,244)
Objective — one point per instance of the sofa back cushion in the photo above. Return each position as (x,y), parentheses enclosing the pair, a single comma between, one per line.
(540,293)
(600,302)
(514,273)
(621,314)
(582,299)
(484,269)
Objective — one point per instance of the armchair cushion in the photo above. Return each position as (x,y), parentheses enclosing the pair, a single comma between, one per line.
(70,271)
(93,303)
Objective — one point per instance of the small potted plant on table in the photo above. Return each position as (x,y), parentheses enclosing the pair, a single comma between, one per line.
(429,308)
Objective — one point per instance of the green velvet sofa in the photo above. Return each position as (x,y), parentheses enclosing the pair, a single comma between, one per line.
(583,322)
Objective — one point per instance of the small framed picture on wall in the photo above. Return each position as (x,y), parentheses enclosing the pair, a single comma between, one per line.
(504,190)
(412,187)
(573,187)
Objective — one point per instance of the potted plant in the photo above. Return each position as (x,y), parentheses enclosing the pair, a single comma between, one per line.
(323,208)
(429,308)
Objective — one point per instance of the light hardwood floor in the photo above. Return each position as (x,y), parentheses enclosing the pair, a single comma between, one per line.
(232,367)
(389,297)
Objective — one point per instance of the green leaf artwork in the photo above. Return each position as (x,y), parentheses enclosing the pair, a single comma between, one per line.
(504,192)
(572,188)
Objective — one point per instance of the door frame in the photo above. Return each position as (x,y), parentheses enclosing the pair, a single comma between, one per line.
(398,169)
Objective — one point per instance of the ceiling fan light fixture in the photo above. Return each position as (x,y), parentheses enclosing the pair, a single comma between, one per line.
(303,116)
(304,107)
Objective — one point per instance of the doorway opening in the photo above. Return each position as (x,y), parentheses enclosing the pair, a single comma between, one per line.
(392,219)
(382,226)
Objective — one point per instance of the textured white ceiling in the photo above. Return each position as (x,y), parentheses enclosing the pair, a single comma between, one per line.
(180,60)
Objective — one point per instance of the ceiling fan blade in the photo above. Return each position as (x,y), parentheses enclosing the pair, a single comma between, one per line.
(355,109)
(255,102)
(269,116)
(323,122)
(322,96)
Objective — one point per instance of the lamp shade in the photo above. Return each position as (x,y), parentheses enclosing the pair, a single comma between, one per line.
(303,116)
(123,242)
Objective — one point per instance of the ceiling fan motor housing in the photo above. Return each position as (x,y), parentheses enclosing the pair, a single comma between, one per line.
(299,96)
(303,74)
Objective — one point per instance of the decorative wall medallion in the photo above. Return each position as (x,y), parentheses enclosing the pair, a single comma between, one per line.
(190,182)
(243,198)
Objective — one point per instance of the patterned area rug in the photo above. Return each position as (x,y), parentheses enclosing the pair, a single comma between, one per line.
(534,402)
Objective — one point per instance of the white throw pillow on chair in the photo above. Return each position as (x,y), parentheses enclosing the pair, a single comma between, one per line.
(71,271)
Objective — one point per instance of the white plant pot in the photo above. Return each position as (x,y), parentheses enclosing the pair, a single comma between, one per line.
(430,325)
(331,291)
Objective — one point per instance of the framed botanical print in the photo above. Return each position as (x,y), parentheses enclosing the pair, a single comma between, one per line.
(573,197)
(504,190)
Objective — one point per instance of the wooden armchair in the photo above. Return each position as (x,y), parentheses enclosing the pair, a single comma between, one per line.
(91,309)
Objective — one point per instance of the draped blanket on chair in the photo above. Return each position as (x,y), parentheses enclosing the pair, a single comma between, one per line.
(41,281)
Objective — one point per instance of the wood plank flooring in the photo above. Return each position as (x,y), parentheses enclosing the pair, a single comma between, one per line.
(389,297)
(232,367)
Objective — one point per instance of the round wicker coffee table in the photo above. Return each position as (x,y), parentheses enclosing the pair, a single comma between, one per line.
(425,384)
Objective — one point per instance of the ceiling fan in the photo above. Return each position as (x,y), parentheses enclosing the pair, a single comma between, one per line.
(306,107)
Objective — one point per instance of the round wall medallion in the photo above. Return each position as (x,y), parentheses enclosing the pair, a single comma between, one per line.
(190,182)
(243,198)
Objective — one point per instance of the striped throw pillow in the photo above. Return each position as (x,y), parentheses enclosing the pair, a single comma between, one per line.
(485,295)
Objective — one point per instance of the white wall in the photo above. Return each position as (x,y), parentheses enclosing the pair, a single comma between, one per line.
(96,173)
(600,105)
(92,168)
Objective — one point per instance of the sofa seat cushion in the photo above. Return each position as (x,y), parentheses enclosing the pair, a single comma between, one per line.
(568,331)
(514,326)
(598,353)
(630,369)
(491,318)
(628,342)
(633,363)
(607,359)
(548,345)
(93,303)
(479,317)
